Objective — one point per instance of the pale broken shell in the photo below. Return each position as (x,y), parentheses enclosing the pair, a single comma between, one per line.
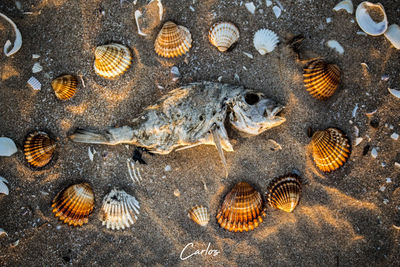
(222,35)
(34,83)
(199,215)
(3,186)
(172,40)
(346,5)
(368,24)
(65,86)
(112,60)
(7,147)
(149,17)
(265,41)
(119,210)
(393,35)
(18,39)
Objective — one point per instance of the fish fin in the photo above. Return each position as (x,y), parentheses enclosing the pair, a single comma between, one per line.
(217,142)
(112,136)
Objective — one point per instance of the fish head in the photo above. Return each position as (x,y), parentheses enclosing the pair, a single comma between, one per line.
(253,113)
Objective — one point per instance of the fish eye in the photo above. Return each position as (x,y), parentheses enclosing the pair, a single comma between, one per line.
(251,98)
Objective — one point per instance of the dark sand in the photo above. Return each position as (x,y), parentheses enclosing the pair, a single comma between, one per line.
(342,218)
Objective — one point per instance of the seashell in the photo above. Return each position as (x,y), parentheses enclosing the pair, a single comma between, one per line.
(222,35)
(3,186)
(119,210)
(74,204)
(18,38)
(199,215)
(277,11)
(346,5)
(265,41)
(37,68)
(7,147)
(149,17)
(65,86)
(330,149)
(368,24)
(112,60)
(393,35)
(335,45)
(284,193)
(394,92)
(321,79)
(2,232)
(172,40)
(34,83)
(39,149)
(242,209)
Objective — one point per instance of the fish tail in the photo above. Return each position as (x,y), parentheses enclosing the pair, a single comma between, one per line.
(112,136)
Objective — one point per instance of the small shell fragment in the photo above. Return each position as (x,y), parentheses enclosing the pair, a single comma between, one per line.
(37,67)
(223,35)
(7,147)
(172,40)
(199,215)
(149,17)
(112,60)
(277,11)
(65,86)
(265,41)
(34,83)
(374,152)
(18,38)
(395,136)
(3,186)
(39,149)
(345,5)
(393,35)
(2,232)
(284,193)
(368,24)
(250,7)
(394,92)
(119,210)
(74,204)
(335,46)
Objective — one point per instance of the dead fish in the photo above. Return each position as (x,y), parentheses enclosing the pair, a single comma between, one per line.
(193,115)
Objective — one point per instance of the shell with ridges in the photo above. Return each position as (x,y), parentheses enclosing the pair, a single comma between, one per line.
(330,149)
(74,204)
(172,40)
(119,210)
(39,149)
(265,41)
(112,60)
(284,193)
(321,79)
(199,215)
(222,35)
(368,24)
(242,209)
(65,86)
(3,186)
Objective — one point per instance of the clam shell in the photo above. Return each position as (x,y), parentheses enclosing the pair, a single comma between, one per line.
(74,204)
(119,210)
(222,35)
(366,23)
(39,149)
(265,41)
(321,79)
(7,147)
(3,186)
(393,35)
(242,209)
(346,5)
(199,215)
(330,149)
(172,40)
(65,86)
(284,193)
(112,60)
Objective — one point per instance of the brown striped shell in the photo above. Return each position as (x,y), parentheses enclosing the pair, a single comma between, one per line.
(242,209)
(321,79)
(112,60)
(330,149)
(199,215)
(65,86)
(284,193)
(222,35)
(74,204)
(39,149)
(172,40)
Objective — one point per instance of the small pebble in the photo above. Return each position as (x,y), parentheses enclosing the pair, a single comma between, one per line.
(167,168)
(388,180)
(374,153)
(395,136)
(383,164)
(177,193)
(58,227)
(382,188)
(328,20)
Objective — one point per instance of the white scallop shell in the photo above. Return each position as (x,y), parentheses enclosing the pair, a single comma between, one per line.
(265,41)
(7,147)
(199,215)
(393,35)
(346,5)
(119,210)
(222,35)
(34,83)
(366,23)
(3,186)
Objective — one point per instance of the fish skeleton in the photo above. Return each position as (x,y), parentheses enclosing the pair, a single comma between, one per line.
(193,115)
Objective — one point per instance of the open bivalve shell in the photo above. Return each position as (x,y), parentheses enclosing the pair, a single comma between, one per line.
(222,35)
(242,209)
(284,193)
(265,41)
(199,215)
(172,40)
(112,60)
(330,149)
(321,79)
(39,149)
(74,204)
(393,35)
(375,25)
(65,86)
(119,210)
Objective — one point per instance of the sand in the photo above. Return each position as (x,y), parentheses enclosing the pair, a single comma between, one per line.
(345,218)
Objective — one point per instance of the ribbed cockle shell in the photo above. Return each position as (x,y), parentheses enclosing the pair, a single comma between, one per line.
(222,35)
(65,86)
(199,215)
(172,40)
(284,193)
(39,149)
(112,60)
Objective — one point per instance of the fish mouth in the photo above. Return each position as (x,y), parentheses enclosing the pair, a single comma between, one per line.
(278,110)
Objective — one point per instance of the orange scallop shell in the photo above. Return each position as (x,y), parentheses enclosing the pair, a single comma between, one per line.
(284,193)
(321,79)
(172,40)
(65,86)
(330,149)
(242,209)
(39,149)
(74,204)
(112,60)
